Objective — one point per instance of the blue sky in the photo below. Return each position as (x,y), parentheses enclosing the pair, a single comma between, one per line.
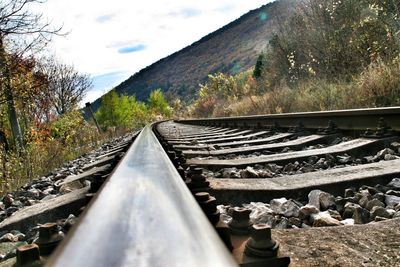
(111,40)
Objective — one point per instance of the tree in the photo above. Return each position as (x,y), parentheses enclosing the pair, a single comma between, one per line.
(158,104)
(122,112)
(332,40)
(20,31)
(66,86)
(258,66)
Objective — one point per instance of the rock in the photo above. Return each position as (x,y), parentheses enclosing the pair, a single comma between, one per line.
(276,204)
(71,186)
(397,208)
(363,201)
(393,193)
(264,173)
(390,157)
(249,172)
(347,222)
(295,221)
(349,209)
(372,190)
(374,203)
(365,192)
(268,219)
(326,201)
(8,200)
(290,167)
(379,211)
(335,214)
(392,201)
(30,202)
(324,219)
(379,196)
(312,159)
(283,224)
(321,164)
(11,210)
(330,160)
(17,203)
(340,202)
(273,167)
(394,184)
(396,214)
(368,159)
(307,168)
(387,151)
(395,146)
(344,159)
(32,193)
(349,192)
(379,218)
(321,199)
(287,208)
(382,188)
(50,190)
(306,211)
(360,216)
(8,238)
(358,196)
(20,236)
(391,212)
(291,208)
(42,185)
(230,173)
(313,198)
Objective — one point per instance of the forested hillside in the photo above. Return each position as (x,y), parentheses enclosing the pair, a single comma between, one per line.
(231,49)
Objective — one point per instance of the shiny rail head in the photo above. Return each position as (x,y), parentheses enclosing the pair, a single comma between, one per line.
(143,216)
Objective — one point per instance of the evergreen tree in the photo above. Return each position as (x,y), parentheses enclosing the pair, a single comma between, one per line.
(258,68)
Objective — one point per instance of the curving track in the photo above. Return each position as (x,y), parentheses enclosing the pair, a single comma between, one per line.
(146,215)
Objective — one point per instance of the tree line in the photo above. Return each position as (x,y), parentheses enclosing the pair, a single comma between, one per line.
(40,123)
(34,89)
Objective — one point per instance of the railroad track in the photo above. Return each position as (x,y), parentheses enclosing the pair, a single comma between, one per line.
(208,192)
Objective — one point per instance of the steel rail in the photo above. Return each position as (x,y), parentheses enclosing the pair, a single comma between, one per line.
(144,215)
(353,119)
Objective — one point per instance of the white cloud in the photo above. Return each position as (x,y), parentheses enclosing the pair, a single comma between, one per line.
(125,36)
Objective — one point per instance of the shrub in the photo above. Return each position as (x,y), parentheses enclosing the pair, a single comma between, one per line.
(380,84)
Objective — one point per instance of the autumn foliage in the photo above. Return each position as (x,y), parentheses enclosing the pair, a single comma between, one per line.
(326,55)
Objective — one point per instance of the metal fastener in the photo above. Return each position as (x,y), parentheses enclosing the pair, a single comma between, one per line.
(209,205)
(240,224)
(28,255)
(261,244)
(49,238)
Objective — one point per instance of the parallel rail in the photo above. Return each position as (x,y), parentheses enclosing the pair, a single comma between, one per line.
(354,119)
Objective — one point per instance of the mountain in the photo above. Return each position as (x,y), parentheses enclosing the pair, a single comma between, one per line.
(231,49)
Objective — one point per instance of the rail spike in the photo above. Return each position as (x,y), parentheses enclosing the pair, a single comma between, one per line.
(330,129)
(381,131)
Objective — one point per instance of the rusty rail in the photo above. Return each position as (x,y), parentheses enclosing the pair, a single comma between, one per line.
(352,120)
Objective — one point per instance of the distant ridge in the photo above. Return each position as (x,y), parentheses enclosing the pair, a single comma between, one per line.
(230,49)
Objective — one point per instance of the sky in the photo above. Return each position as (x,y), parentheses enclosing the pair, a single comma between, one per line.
(112,40)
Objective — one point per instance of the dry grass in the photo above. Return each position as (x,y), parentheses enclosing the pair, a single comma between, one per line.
(377,86)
